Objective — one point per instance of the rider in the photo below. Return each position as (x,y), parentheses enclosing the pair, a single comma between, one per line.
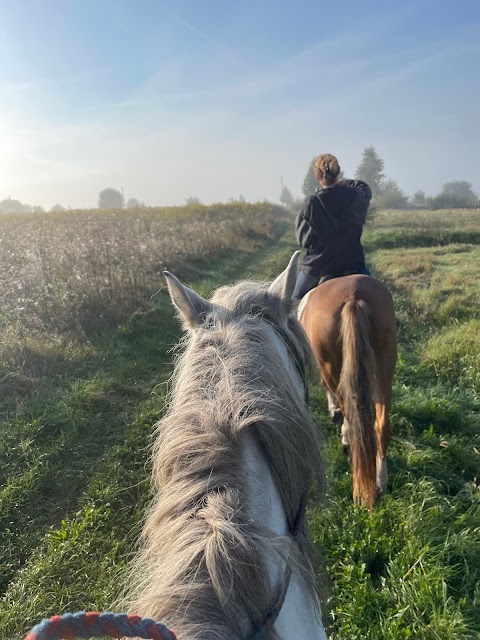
(329,226)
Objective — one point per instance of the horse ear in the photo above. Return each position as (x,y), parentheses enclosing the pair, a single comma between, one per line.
(191,307)
(284,284)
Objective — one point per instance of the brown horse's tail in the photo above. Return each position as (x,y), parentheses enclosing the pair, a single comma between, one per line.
(356,390)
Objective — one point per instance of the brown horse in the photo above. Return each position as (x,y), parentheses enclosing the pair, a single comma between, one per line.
(350,322)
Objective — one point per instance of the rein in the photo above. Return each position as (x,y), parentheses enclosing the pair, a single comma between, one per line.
(272,615)
(269,620)
(98,625)
(292,348)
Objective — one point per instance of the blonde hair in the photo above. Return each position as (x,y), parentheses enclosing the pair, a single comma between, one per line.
(326,169)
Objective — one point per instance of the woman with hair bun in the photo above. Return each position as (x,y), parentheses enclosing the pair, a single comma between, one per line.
(329,226)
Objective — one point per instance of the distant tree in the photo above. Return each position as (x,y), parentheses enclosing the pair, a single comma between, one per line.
(286,197)
(462,191)
(57,207)
(459,189)
(37,209)
(110,199)
(419,200)
(390,196)
(456,194)
(133,203)
(370,170)
(310,183)
(14,206)
(192,200)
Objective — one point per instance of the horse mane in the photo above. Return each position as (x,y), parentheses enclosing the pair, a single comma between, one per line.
(201,567)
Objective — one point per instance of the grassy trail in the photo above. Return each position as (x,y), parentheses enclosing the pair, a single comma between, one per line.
(75,471)
(74,460)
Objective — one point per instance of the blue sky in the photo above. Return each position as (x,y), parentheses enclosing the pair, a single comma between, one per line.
(217,99)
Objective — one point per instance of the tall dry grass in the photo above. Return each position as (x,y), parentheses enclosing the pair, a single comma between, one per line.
(67,276)
(71,269)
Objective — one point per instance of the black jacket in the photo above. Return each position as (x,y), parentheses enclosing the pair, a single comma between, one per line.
(329,226)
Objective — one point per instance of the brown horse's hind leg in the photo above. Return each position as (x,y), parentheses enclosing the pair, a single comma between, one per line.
(333,409)
(329,378)
(383,402)
(382,432)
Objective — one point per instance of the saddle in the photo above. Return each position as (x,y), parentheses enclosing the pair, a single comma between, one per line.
(331,276)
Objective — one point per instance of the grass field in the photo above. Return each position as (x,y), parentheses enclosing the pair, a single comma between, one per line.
(412,569)
(78,414)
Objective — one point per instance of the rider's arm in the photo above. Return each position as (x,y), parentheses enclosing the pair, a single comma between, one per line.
(305,233)
(362,197)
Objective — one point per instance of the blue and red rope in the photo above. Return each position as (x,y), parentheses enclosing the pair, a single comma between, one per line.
(98,625)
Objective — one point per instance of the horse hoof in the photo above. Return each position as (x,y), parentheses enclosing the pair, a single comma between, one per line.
(380,493)
(337,417)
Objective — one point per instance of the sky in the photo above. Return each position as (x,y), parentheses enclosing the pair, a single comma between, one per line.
(217,99)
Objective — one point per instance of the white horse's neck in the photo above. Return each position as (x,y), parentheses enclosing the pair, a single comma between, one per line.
(299,616)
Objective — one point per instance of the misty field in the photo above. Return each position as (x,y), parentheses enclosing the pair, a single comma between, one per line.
(71,275)
(86,331)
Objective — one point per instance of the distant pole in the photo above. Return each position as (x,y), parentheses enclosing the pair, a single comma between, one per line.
(281,182)
(123,197)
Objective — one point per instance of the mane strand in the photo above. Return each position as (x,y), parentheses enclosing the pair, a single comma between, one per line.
(201,566)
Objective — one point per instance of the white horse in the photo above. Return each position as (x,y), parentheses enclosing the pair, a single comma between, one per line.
(225,551)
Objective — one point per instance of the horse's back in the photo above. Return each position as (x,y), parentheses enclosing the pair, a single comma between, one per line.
(327,300)
(334,293)
(322,314)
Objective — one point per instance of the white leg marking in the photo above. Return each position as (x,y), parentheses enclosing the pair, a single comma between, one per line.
(382,474)
(332,403)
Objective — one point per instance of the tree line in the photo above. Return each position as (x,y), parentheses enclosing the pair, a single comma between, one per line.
(457,194)
(107,199)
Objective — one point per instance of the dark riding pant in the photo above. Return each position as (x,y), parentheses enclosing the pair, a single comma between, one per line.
(303,285)
(306,283)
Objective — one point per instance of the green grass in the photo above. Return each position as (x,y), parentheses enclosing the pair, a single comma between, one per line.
(74,459)
(395,229)
(76,431)
(454,355)
(412,568)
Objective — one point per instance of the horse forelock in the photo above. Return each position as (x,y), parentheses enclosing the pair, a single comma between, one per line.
(202,561)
